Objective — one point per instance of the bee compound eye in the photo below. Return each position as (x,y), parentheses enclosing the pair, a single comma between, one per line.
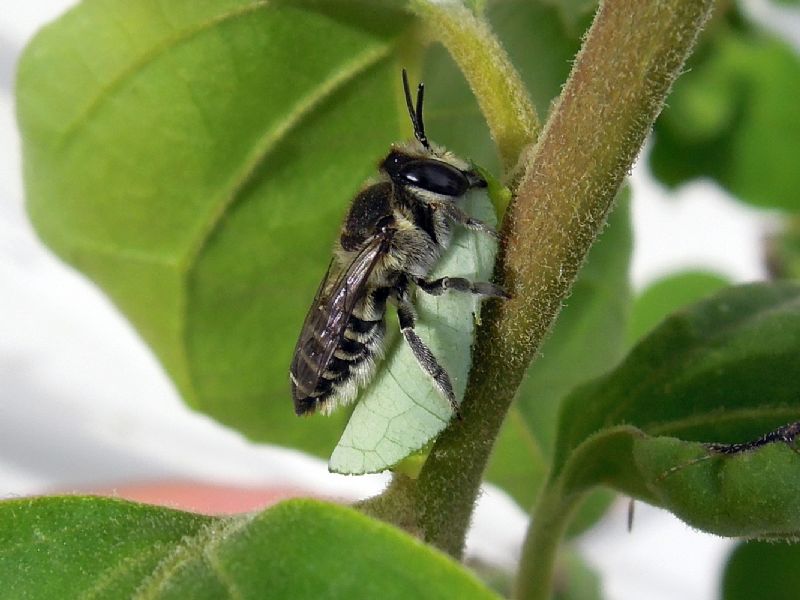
(435,176)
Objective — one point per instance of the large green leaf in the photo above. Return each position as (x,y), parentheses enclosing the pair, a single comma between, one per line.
(401,410)
(101,548)
(762,570)
(733,117)
(194,159)
(724,370)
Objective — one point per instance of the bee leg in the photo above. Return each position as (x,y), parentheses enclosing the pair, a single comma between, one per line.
(424,356)
(454,213)
(459,284)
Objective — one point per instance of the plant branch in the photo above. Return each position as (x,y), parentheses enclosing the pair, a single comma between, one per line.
(501,94)
(621,77)
(544,536)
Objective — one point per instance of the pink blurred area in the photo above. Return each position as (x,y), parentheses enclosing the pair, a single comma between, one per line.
(203,498)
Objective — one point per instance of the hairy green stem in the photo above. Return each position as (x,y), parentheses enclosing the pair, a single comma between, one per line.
(535,578)
(500,92)
(631,56)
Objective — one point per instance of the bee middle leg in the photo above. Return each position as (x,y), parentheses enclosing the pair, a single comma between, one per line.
(423,354)
(437,287)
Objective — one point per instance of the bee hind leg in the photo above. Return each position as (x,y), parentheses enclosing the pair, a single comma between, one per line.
(424,356)
(437,287)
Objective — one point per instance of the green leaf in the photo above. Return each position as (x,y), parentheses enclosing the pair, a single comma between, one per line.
(668,295)
(762,570)
(195,164)
(587,340)
(733,117)
(102,548)
(750,494)
(724,370)
(401,411)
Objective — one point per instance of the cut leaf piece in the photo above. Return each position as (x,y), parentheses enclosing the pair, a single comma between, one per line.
(80,546)
(195,164)
(400,411)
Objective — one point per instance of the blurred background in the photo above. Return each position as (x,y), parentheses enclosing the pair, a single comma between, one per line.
(85,406)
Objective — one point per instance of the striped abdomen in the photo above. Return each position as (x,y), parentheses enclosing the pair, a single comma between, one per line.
(355,358)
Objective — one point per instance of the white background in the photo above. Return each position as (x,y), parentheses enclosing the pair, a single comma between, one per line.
(84,405)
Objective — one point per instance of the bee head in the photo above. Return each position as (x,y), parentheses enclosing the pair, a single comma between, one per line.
(429,168)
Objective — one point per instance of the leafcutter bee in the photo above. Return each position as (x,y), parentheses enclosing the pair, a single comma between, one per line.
(394,233)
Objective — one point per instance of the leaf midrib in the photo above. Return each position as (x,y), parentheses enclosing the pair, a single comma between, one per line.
(106,91)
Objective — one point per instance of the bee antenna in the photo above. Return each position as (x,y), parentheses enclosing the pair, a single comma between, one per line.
(416,113)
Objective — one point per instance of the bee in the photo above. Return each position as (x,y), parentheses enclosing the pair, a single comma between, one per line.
(396,229)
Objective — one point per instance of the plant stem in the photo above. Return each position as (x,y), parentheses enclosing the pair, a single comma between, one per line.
(632,54)
(501,94)
(539,553)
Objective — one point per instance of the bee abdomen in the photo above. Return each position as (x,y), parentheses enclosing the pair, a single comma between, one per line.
(354,359)
(352,365)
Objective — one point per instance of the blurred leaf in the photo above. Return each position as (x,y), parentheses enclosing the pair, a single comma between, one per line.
(668,295)
(733,117)
(587,340)
(401,411)
(783,250)
(724,370)
(73,547)
(762,570)
(574,580)
(195,164)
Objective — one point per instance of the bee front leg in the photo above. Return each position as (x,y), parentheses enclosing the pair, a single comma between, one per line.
(424,356)
(454,213)
(459,284)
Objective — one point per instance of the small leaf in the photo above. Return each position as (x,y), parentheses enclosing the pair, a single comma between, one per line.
(762,570)
(401,411)
(724,370)
(101,548)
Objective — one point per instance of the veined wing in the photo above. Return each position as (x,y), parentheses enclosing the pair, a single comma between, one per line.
(329,314)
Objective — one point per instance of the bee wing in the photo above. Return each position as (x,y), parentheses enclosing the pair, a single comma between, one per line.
(328,317)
